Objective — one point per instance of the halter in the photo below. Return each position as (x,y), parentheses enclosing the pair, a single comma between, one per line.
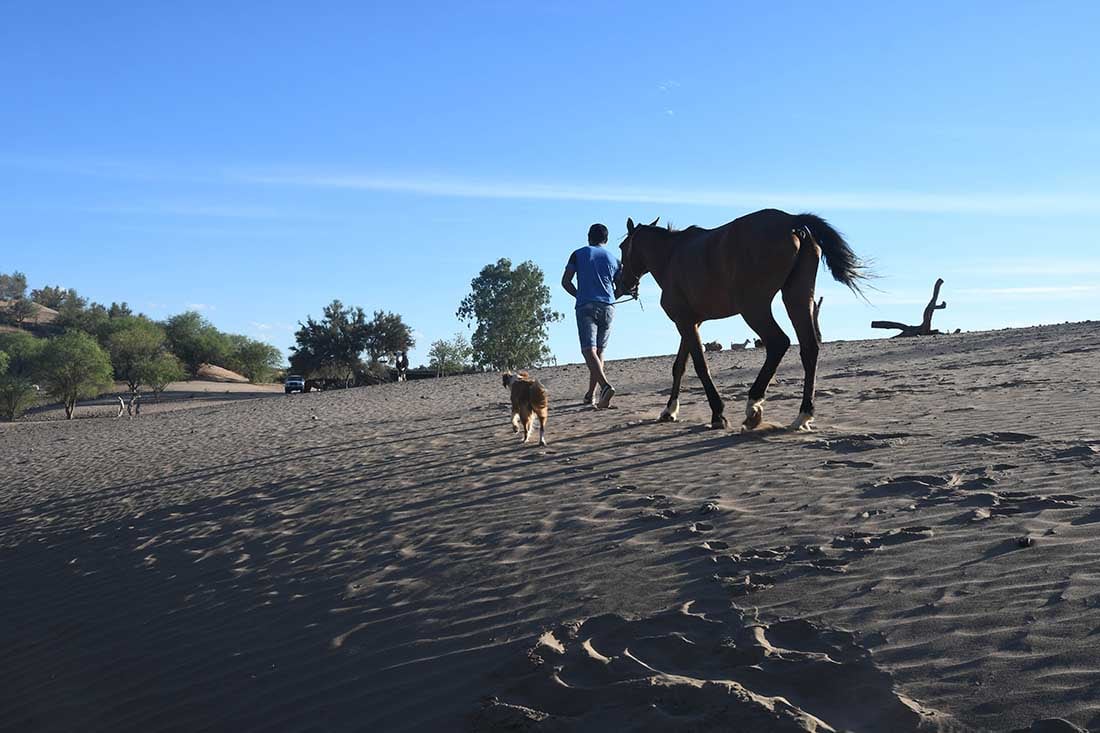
(628,270)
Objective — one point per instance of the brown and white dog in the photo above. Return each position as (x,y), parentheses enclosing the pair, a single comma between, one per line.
(529,398)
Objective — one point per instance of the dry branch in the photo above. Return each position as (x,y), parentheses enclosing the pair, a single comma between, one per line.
(925,328)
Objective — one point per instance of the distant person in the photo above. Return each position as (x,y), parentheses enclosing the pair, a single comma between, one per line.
(403,366)
(595,269)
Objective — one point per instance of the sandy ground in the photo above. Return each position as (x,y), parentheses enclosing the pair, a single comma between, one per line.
(178,396)
(391,559)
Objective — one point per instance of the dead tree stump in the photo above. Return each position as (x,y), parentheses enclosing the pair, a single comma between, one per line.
(925,328)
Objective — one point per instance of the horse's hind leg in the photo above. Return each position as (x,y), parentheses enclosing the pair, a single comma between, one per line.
(759,317)
(672,409)
(798,296)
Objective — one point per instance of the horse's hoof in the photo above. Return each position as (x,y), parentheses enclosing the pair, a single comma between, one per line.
(803,423)
(719,423)
(752,422)
(666,417)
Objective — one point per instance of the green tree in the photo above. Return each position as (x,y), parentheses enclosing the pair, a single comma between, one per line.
(386,335)
(73,367)
(51,296)
(71,311)
(255,360)
(164,369)
(19,310)
(23,352)
(77,314)
(13,286)
(512,310)
(119,310)
(133,348)
(331,347)
(17,391)
(195,341)
(450,357)
(18,360)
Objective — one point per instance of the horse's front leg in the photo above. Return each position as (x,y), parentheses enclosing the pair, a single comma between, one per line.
(689,334)
(672,409)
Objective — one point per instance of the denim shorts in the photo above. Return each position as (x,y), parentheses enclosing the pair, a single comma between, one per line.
(594,324)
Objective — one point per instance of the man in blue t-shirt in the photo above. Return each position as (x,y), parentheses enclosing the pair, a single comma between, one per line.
(595,269)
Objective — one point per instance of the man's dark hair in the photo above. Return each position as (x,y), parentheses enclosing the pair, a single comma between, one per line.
(597,234)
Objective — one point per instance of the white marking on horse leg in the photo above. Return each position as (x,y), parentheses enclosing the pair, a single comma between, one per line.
(670,415)
(515,422)
(754,414)
(802,423)
(542,433)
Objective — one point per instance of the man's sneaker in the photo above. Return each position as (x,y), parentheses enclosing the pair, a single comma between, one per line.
(605,396)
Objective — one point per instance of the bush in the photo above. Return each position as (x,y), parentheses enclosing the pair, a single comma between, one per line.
(255,360)
(16,395)
(133,347)
(73,366)
(164,369)
(22,353)
(195,341)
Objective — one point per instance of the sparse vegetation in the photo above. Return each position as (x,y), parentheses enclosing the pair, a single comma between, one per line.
(330,348)
(450,357)
(511,308)
(134,347)
(13,286)
(74,367)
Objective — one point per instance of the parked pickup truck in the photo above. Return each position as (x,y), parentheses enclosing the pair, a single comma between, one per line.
(294,383)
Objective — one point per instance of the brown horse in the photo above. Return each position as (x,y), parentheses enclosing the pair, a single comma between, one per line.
(738,268)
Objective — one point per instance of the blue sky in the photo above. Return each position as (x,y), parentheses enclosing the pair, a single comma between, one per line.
(259,160)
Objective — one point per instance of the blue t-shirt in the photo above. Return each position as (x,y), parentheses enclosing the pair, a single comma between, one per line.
(596,269)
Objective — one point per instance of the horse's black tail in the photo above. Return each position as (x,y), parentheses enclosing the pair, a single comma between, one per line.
(842,262)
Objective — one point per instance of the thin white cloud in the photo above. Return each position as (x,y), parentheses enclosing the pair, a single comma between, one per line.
(928,202)
(188,209)
(1038,267)
(200,307)
(1059,290)
(666,86)
(897,201)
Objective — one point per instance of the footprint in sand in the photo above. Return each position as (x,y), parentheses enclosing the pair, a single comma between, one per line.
(996,439)
(860,442)
(1084,451)
(778,563)
(848,464)
(976,491)
(865,541)
(686,669)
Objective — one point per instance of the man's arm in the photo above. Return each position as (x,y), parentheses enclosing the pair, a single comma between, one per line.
(567,280)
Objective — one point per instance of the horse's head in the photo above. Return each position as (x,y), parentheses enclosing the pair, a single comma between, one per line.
(633,266)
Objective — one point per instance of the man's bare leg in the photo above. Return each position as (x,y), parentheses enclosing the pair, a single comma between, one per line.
(593,376)
(595,368)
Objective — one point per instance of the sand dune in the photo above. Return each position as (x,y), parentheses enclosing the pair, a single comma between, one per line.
(391,559)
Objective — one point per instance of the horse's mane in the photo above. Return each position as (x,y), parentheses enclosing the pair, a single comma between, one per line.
(667,229)
(690,230)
